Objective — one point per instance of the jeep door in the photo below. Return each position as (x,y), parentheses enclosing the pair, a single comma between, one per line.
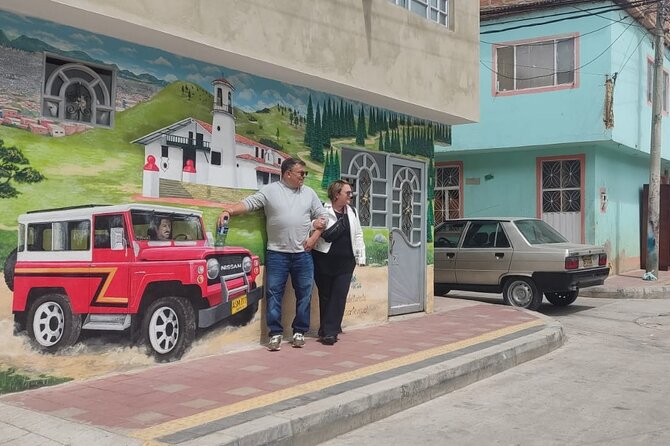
(485,254)
(112,256)
(447,236)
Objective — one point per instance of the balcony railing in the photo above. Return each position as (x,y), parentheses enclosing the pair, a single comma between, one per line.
(187,143)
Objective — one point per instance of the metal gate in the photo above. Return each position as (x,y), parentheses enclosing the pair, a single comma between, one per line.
(390,192)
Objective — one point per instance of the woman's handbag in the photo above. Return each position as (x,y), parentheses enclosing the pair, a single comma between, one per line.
(334,232)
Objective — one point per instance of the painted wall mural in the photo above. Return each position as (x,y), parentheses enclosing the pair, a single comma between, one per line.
(85,118)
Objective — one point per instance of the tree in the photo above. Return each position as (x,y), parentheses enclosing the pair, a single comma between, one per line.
(430,221)
(360,129)
(14,168)
(309,128)
(277,134)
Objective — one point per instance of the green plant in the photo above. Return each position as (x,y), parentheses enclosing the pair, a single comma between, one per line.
(12,381)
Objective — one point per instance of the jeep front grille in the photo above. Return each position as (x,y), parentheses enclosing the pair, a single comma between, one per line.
(230,266)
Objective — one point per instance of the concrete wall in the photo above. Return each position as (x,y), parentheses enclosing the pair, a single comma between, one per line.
(367,50)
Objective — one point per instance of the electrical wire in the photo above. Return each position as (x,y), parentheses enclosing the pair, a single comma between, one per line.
(530,25)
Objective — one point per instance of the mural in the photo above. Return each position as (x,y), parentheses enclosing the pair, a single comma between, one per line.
(85,118)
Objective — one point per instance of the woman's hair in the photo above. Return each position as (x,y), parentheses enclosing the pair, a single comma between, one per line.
(335,188)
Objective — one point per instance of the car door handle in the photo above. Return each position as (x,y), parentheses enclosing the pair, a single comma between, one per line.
(499,255)
(450,255)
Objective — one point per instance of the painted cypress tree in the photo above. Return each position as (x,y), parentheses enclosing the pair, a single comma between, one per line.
(387,142)
(336,168)
(315,141)
(380,147)
(326,168)
(309,128)
(360,128)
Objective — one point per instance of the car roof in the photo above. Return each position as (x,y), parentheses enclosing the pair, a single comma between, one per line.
(491,219)
(85,211)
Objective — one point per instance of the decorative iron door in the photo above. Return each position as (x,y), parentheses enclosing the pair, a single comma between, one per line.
(562,196)
(390,192)
(407,235)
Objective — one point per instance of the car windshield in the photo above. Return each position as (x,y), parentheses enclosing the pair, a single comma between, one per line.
(538,232)
(162,226)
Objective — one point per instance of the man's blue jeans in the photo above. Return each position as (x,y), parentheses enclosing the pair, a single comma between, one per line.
(278,266)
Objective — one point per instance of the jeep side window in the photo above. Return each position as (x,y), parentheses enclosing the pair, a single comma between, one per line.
(59,236)
(109,232)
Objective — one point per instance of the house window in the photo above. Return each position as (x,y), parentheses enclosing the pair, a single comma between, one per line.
(434,10)
(448,192)
(164,151)
(547,63)
(216,158)
(650,79)
(78,92)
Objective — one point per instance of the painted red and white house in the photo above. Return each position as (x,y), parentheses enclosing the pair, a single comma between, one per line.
(194,151)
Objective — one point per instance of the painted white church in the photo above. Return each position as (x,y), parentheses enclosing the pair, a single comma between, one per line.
(212,154)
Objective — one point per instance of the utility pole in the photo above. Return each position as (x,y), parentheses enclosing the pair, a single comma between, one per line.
(655,149)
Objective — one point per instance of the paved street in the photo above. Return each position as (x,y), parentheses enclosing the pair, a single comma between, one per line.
(608,385)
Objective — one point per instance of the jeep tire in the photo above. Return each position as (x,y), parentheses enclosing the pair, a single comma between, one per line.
(168,327)
(52,324)
(522,292)
(10,264)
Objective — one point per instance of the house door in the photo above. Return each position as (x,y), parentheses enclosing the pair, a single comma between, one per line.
(561,199)
(390,192)
(407,235)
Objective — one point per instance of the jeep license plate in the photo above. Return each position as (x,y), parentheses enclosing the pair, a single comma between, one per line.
(587,261)
(238,304)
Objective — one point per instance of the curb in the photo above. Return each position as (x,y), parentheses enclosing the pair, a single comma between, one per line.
(328,417)
(651,292)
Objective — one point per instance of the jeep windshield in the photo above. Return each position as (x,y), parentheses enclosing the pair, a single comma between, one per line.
(166,227)
(537,232)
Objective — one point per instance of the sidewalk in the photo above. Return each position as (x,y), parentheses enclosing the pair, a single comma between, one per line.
(630,285)
(295,396)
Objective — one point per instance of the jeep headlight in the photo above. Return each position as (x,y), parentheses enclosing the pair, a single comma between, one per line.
(213,268)
(246,265)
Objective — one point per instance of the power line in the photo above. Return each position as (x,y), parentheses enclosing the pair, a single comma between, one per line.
(558,14)
(530,25)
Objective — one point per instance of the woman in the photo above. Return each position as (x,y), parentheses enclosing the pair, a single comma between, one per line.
(335,260)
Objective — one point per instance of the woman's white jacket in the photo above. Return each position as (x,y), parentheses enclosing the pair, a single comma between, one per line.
(357,243)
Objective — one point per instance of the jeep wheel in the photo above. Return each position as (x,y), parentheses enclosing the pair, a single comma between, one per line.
(522,292)
(562,298)
(10,263)
(52,324)
(169,327)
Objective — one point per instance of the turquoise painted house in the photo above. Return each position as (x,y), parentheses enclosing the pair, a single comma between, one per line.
(565,124)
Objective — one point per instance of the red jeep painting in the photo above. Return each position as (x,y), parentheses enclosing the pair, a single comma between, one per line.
(150,270)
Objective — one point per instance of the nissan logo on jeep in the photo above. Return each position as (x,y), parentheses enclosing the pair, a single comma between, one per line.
(231,266)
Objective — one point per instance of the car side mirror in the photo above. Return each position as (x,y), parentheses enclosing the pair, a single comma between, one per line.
(118,242)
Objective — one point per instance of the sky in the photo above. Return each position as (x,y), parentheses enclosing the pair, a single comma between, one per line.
(251,92)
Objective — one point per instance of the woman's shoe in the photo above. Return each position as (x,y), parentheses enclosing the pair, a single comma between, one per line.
(329,340)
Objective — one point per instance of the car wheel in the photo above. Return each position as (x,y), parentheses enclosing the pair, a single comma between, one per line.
(562,298)
(522,292)
(52,324)
(169,327)
(10,264)
(440,290)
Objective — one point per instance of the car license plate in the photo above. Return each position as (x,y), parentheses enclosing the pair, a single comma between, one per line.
(238,304)
(587,261)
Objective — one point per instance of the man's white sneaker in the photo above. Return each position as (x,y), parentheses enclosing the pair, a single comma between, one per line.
(298,340)
(275,343)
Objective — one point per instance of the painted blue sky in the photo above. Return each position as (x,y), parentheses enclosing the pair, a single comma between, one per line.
(251,92)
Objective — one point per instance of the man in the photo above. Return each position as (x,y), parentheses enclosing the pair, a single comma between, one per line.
(291,211)
(165,229)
